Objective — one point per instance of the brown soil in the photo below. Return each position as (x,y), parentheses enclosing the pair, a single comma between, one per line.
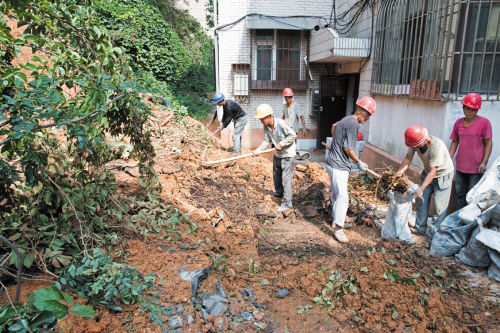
(264,252)
(392,181)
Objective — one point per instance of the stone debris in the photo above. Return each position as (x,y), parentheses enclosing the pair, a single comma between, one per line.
(195,278)
(175,322)
(215,304)
(220,291)
(282,293)
(247,316)
(184,247)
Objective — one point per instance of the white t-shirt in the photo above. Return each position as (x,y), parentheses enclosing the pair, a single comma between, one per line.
(292,116)
(435,156)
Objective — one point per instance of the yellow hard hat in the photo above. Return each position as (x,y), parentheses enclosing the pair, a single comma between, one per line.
(263,111)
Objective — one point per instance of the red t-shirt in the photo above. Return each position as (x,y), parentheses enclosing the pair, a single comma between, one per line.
(471,143)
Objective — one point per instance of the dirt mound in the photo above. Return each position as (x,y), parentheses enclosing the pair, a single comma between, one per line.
(392,181)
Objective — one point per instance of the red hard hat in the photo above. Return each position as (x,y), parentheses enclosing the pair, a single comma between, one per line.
(415,135)
(473,101)
(368,104)
(287,92)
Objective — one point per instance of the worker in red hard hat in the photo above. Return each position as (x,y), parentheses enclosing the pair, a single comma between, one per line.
(292,112)
(472,135)
(436,177)
(339,161)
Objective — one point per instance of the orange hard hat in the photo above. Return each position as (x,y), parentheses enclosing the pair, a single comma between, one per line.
(368,104)
(415,135)
(473,101)
(287,92)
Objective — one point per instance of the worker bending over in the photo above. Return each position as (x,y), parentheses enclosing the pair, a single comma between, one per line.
(232,111)
(472,135)
(339,160)
(436,177)
(277,132)
(292,112)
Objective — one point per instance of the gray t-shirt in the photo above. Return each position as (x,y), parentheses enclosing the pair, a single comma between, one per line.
(292,116)
(435,156)
(345,136)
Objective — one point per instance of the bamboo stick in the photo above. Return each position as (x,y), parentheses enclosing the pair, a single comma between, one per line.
(367,170)
(235,158)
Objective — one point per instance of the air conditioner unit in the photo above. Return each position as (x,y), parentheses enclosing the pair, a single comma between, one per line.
(241,84)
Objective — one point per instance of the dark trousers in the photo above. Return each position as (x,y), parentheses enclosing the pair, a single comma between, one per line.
(464,182)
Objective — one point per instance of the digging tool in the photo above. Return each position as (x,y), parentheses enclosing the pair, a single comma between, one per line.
(211,135)
(231,158)
(367,170)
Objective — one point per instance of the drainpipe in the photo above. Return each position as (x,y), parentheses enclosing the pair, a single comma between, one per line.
(216,42)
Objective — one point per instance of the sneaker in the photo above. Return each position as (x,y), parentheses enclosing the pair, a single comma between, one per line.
(347,226)
(427,244)
(415,230)
(341,237)
(282,208)
(235,153)
(277,197)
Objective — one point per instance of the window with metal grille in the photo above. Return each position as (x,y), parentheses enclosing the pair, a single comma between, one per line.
(437,49)
(277,59)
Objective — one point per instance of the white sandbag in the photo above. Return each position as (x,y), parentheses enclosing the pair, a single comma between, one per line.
(454,232)
(398,215)
(487,190)
(491,238)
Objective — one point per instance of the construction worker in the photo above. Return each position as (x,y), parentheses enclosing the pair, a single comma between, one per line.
(472,134)
(277,132)
(232,111)
(292,112)
(339,160)
(436,177)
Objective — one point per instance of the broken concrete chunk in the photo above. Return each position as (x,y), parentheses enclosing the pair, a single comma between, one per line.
(195,278)
(214,304)
(220,291)
(247,316)
(174,322)
(282,293)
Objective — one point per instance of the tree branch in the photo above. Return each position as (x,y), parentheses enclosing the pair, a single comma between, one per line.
(94,113)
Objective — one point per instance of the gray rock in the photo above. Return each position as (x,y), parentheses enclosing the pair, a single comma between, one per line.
(226,314)
(190,319)
(168,330)
(282,293)
(251,295)
(195,278)
(244,294)
(184,247)
(205,314)
(220,291)
(175,322)
(247,316)
(180,309)
(257,305)
(221,323)
(214,304)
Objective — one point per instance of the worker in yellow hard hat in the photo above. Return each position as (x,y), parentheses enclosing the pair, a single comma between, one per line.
(277,132)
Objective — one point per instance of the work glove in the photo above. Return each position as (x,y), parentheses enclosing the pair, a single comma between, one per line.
(362,165)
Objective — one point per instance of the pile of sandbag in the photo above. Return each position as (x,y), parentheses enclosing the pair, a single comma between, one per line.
(472,234)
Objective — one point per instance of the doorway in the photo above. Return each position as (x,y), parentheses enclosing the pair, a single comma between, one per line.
(333,90)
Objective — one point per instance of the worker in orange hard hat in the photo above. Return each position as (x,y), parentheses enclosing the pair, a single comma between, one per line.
(292,112)
(339,161)
(472,135)
(277,132)
(436,177)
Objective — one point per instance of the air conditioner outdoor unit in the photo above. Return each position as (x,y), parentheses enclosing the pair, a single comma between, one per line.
(241,84)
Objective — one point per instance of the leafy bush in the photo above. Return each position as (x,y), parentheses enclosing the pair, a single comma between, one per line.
(40,314)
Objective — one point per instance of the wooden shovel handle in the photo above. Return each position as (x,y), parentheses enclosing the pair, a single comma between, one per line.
(235,158)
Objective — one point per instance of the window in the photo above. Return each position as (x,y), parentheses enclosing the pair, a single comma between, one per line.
(437,49)
(277,59)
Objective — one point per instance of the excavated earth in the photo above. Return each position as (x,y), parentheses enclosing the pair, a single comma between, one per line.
(254,247)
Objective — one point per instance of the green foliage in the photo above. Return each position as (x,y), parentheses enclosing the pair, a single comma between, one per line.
(160,39)
(337,286)
(105,282)
(40,314)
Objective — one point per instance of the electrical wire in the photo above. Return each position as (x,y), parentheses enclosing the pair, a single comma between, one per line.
(273,18)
